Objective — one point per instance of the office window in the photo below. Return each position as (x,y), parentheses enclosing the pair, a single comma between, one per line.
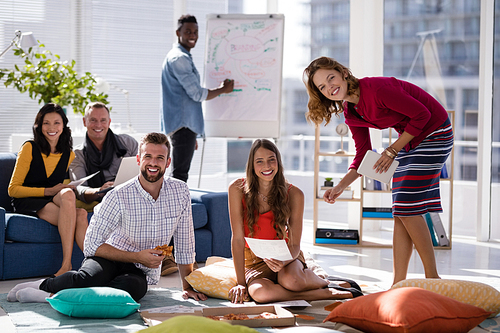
(29,16)
(322,13)
(299,117)
(340,10)
(123,42)
(453,27)
(237,155)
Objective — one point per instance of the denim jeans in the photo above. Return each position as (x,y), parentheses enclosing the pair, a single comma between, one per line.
(100,272)
(183,146)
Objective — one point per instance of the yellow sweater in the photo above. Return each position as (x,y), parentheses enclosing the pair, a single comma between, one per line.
(23,162)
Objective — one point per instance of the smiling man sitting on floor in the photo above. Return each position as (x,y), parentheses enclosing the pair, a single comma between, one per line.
(147,211)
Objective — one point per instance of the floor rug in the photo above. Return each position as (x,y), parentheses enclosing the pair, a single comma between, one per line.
(36,317)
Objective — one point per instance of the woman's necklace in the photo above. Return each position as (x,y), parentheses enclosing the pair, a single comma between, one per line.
(264,197)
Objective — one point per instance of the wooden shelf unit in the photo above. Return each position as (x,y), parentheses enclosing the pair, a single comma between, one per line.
(361,191)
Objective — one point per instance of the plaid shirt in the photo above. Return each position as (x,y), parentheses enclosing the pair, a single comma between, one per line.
(129,219)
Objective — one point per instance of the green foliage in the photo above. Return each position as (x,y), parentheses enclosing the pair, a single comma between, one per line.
(328,179)
(49,80)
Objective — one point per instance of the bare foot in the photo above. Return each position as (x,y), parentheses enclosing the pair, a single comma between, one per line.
(339,294)
(63,269)
(343,284)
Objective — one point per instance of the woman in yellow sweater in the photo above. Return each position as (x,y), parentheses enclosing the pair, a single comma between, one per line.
(36,186)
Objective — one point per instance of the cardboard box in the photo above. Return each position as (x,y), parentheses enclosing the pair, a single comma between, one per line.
(286,318)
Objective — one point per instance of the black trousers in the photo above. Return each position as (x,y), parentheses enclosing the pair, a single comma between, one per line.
(183,146)
(100,272)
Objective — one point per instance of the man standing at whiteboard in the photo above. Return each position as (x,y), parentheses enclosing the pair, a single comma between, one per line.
(181,116)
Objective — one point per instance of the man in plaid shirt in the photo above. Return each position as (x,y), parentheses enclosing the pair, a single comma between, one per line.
(147,211)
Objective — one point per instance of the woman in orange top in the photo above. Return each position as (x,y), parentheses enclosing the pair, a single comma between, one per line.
(36,186)
(265,206)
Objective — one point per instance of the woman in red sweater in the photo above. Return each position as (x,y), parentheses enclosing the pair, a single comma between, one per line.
(425,142)
(37,187)
(265,206)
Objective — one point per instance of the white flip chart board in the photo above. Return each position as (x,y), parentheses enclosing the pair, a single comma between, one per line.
(249,50)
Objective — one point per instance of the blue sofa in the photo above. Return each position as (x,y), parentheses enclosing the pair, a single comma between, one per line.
(31,247)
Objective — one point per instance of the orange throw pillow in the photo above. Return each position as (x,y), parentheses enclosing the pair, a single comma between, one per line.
(408,310)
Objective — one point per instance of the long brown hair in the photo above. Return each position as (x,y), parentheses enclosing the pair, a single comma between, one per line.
(277,197)
(320,107)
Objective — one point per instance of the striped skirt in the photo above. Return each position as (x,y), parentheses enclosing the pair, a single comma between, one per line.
(415,184)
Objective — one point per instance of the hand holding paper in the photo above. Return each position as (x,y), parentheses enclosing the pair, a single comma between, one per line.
(266,248)
(82,180)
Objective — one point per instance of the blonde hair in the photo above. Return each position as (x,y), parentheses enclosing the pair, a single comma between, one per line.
(278,195)
(320,107)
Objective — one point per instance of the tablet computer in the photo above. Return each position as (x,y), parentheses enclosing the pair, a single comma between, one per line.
(367,170)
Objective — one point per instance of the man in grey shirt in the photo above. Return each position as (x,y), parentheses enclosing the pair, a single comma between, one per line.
(102,151)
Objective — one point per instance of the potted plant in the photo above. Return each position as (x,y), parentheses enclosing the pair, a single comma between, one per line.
(328,182)
(48,79)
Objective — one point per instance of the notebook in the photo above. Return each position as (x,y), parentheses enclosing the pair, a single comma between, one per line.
(128,169)
(366,168)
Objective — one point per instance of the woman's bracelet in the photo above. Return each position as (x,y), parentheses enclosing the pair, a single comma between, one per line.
(394,151)
(388,153)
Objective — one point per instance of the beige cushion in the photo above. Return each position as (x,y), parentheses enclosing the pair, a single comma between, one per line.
(215,279)
(469,292)
(218,276)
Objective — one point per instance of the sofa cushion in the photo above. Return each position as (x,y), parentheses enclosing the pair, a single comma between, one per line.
(7,162)
(216,204)
(29,229)
(200,217)
(203,244)
(24,260)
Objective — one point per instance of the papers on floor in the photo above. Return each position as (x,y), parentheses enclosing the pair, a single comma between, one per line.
(82,180)
(174,309)
(269,248)
(286,304)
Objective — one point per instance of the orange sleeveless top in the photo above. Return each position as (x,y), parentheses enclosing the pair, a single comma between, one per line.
(263,228)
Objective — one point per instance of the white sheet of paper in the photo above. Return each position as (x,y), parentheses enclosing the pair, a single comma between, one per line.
(81,180)
(173,309)
(235,305)
(292,303)
(269,248)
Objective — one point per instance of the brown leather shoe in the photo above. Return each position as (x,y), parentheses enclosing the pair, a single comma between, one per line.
(168,266)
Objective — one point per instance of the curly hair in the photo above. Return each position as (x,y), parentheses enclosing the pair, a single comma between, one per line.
(65,141)
(277,197)
(320,107)
(185,19)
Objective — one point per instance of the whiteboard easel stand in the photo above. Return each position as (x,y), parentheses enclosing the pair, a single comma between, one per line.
(201,160)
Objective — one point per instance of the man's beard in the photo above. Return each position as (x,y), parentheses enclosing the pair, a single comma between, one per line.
(152,179)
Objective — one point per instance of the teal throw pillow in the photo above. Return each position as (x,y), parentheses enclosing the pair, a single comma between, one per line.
(94,302)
